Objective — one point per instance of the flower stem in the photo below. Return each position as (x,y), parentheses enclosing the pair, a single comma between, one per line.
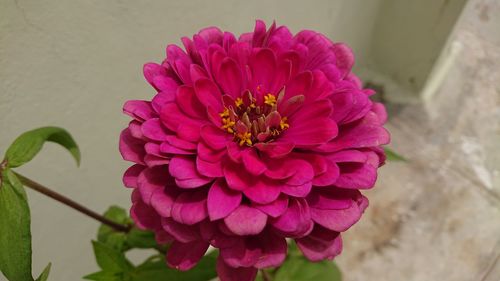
(70,203)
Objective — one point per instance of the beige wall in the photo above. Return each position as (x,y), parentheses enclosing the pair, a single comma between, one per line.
(74,63)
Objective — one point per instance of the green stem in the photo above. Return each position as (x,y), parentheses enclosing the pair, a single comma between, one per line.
(70,203)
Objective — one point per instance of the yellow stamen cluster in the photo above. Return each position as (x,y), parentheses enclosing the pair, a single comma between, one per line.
(250,123)
(228,124)
(270,99)
(238,102)
(283,124)
(245,138)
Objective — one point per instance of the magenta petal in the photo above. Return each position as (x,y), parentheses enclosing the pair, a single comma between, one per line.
(131,149)
(253,164)
(274,249)
(329,177)
(340,220)
(275,208)
(173,118)
(230,77)
(215,137)
(208,93)
(162,237)
(190,207)
(197,72)
(356,175)
(296,221)
(351,155)
(193,183)
(139,109)
(263,191)
(228,273)
(332,198)
(153,129)
(131,174)
(345,57)
(135,129)
(189,131)
(234,151)
(246,220)
(363,133)
(209,154)
(263,67)
(152,179)
(311,125)
(320,244)
(153,161)
(235,179)
(162,201)
(152,70)
(275,149)
(143,215)
(299,85)
(244,253)
(222,200)
(184,256)
(380,111)
(181,232)
(188,102)
(209,169)
(304,172)
(297,190)
(167,148)
(183,169)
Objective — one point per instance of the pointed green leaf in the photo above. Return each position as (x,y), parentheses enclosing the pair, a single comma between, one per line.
(141,239)
(111,237)
(110,259)
(15,233)
(393,156)
(157,270)
(297,268)
(27,145)
(45,273)
(105,276)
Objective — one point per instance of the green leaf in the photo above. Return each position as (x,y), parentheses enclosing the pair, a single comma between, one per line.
(45,273)
(110,259)
(109,236)
(393,156)
(299,269)
(27,145)
(156,270)
(15,233)
(141,239)
(120,241)
(105,276)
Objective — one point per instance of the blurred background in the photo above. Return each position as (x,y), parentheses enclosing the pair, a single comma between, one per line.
(435,63)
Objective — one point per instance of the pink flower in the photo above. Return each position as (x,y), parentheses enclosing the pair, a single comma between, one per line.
(250,141)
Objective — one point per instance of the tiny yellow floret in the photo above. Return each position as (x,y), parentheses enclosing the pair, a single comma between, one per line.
(283,124)
(224,113)
(239,102)
(228,124)
(270,99)
(245,138)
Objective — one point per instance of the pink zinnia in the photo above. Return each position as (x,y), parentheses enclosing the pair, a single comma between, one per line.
(251,141)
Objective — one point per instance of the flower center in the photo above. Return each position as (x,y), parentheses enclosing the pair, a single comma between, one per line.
(250,123)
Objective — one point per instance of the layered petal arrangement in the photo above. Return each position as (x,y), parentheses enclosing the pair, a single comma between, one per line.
(250,141)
